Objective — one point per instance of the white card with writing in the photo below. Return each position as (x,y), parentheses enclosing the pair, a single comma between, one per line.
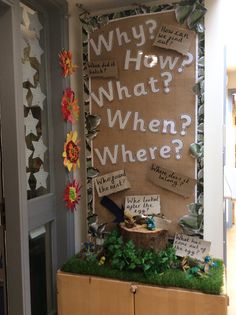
(171,180)
(102,69)
(175,38)
(146,204)
(110,183)
(193,247)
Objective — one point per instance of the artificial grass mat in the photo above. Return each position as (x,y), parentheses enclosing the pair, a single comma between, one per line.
(211,284)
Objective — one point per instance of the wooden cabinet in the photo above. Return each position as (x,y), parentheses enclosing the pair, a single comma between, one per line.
(88,295)
(169,301)
(85,295)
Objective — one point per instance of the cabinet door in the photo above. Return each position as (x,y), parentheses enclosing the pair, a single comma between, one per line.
(84,295)
(111,297)
(73,294)
(160,301)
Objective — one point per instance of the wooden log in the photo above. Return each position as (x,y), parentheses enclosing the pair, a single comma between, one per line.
(143,238)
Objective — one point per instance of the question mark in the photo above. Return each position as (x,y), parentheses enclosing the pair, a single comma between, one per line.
(186,62)
(178,148)
(187,122)
(152,25)
(167,81)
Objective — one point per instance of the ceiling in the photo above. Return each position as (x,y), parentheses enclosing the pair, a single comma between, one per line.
(97,6)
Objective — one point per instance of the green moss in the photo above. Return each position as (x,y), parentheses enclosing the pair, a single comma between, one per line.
(211,284)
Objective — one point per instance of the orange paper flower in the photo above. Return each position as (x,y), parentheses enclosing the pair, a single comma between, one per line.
(65,60)
(72,195)
(69,106)
(71,151)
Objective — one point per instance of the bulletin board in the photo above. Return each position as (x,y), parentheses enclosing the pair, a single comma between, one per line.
(146,105)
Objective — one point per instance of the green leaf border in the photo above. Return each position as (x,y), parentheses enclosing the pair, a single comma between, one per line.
(194,17)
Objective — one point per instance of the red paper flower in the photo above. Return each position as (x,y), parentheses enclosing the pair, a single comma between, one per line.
(69,106)
(72,195)
(65,60)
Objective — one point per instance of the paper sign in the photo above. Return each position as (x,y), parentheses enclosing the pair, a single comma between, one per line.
(191,246)
(102,69)
(111,183)
(175,38)
(148,204)
(170,180)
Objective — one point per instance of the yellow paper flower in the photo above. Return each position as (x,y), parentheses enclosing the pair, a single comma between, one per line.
(71,151)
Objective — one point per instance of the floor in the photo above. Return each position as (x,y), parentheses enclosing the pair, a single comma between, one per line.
(231,270)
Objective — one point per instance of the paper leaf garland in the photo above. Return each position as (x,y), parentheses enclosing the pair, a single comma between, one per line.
(41,178)
(69,106)
(39,149)
(30,124)
(65,60)
(72,195)
(71,151)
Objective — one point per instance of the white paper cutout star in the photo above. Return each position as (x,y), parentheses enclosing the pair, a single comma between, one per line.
(23,46)
(35,49)
(22,15)
(38,97)
(28,176)
(28,153)
(27,34)
(41,178)
(39,149)
(35,25)
(28,72)
(30,124)
(25,17)
(25,92)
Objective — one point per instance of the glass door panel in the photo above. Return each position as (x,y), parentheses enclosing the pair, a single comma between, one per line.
(2,238)
(35,101)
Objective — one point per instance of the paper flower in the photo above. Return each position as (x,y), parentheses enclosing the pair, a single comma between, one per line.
(71,151)
(65,60)
(69,106)
(72,195)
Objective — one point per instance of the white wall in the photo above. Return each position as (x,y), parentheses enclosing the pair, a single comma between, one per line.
(214,102)
(75,40)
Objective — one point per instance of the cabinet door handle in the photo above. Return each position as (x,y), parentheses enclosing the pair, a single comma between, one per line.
(133,288)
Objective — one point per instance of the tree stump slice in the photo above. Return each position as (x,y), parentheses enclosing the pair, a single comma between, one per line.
(143,238)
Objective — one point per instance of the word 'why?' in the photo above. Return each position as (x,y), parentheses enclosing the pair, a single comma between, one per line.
(118,37)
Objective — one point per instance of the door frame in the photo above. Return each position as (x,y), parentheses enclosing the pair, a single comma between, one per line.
(18,221)
(13,161)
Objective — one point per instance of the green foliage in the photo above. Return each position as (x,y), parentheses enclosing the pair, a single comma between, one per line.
(174,278)
(125,256)
(192,12)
